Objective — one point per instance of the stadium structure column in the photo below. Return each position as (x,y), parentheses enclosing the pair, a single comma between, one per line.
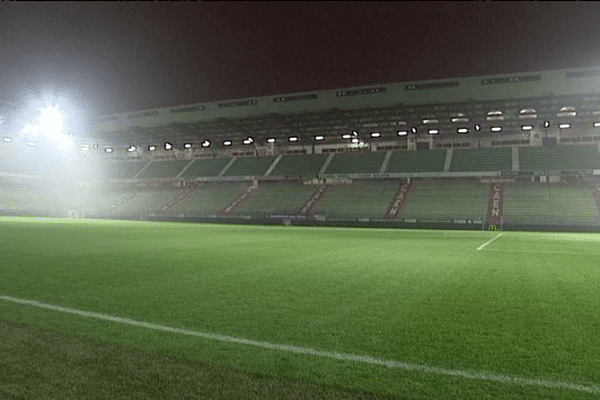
(227,166)
(515,158)
(145,167)
(595,188)
(273,165)
(386,161)
(448,160)
(495,213)
(326,164)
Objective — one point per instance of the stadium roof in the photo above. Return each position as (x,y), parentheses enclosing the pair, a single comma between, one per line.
(560,95)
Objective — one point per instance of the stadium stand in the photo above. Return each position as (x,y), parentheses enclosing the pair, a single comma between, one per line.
(485,159)
(549,203)
(305,165)
(417,161)
(362,199)
(209,198)
(356,163)
(206,167)
(447,199)
(163,169)
(123,169)
(276,198)
(562,158)
(148,200)
(249,166)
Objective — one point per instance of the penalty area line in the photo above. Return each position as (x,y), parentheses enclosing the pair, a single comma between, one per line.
(490,241)
(392,364)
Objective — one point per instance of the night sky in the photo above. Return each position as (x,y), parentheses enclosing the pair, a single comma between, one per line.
(110,57)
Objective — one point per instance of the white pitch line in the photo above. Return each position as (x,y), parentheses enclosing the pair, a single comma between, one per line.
(543,251)
(490,241)
(485,376)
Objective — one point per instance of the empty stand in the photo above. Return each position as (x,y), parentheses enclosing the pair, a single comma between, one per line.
(210,198)
(417,161)
(306,165)
(276,198)
(122,169)
(206,167)
(163,169)
(485,159)
(362,199)
(549,204)
(250,166)
(558,158)
(447,199)
(356,163)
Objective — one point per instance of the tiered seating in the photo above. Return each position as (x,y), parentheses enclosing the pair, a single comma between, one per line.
(122,169)
(486,159)
(163,169)
(362,199)
(417,161)
(447,199)
(210,199)
(147,201)
(544,203)
(356,163)
(206,167)
(558,158)
(29,197)
(249,166)
(277,197)
(306,165)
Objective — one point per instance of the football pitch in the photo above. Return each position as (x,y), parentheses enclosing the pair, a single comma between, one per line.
(411,314)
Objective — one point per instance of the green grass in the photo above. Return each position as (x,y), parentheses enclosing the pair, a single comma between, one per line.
(525,306)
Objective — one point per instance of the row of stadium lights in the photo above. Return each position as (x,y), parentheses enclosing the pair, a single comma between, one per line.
(353,137)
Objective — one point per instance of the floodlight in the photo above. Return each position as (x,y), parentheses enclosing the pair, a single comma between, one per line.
(131,149)
(247,141)
(205,144)
(546,124)
(108,150)
(477,127)
(413,130)
(152,148)
(32,144)
(168,146)
(319,137)
(346,136)
(462,130)
(375,134)
(354,133)
(354,140)
(6,139)
(596,124)
(271,140)
(402,133)
(564,126)
(433,131)
(526,127)
(227,143)
(187,145)
(496,129)
(293,138)
(95,146)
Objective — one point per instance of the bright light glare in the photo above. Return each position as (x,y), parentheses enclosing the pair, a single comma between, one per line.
(50,124)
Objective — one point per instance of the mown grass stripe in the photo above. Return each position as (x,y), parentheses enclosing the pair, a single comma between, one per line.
(486,376)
